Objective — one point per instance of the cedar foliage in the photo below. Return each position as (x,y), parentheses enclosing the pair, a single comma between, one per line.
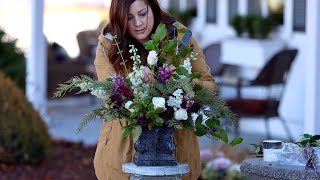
(24,136)
(12,59)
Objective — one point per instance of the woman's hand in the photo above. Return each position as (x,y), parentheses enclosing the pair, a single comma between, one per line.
(147,75)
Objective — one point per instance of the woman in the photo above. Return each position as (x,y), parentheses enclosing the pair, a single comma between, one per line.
(133,21)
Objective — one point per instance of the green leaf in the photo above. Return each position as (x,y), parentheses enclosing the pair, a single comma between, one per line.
(258,148)
(197,87)
(314,138)
(159,110)
(182,71)
(307,135)
(236,141)
(128,129)
(222,134)
(159,121)
(176,24)
(210,123)
(195,75)
(182,30)
(152,45)
(136,133)
(162,60)
(176,76)
(170,47)
(199,120)
(200,131)
(187,125)
(160,33)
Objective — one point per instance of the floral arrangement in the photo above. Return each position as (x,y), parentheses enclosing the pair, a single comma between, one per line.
(217,166)
(169,97)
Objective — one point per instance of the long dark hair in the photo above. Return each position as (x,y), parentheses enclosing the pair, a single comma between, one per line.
(118,24)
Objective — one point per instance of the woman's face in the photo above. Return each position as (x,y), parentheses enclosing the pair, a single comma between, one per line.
(140,21)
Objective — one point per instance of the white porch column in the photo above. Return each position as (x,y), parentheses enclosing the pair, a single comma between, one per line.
(222,15)
(312,89)
(288,19)
(264,8)
(183,5)
(36,86)
(243,7)
(164,4)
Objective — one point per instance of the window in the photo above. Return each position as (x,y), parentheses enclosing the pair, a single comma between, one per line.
(254,7)
(299,15)
(233,9)
(212,11)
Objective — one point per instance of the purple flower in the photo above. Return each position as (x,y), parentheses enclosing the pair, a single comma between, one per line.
(116,99)
(195,107)
(164,75)
(167,114)
(120,87)
(143,121)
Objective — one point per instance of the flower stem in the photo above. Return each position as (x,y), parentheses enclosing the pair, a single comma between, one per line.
(120,52)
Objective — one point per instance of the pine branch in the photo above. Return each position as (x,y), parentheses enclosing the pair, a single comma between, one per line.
(89,117)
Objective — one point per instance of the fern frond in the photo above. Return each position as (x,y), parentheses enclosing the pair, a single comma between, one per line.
(88,118)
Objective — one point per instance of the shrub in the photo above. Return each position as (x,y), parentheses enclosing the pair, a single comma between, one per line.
(24,136)
(12,60)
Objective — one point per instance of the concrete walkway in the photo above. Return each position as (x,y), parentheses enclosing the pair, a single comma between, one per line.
(65,115)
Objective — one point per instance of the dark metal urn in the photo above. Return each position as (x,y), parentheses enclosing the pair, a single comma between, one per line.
(155,147)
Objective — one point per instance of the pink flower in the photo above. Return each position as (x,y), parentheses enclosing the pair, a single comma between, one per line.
(206,154)
(220,163)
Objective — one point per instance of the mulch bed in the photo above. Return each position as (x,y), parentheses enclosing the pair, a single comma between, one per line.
(67,161)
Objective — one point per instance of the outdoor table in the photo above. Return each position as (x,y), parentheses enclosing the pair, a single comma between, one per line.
(155,172)
(256,168)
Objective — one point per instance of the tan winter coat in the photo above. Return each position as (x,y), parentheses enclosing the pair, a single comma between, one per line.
(118,150)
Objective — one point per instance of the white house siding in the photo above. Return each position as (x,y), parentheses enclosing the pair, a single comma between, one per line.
(292,107)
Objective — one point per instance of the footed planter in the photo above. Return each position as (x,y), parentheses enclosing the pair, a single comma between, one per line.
(155,147)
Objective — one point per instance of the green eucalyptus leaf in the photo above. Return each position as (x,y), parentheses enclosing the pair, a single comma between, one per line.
(222,134)
(136,133)
(236,141)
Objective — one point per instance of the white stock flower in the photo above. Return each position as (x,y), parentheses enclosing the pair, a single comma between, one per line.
(159,102)
(99,93)
(187,65)
(127,106)
(152,58)
(181,114)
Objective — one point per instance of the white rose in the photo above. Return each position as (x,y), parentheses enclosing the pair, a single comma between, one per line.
(159,102)
(181,114)
(152,58)
(127,106)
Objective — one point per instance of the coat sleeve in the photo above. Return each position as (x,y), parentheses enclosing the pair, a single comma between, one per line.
(104,67)
(199,65)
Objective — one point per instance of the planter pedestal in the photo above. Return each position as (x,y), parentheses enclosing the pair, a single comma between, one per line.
(155,172)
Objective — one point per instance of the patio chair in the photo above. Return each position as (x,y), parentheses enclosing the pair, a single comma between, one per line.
(272,76)
(212,55)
